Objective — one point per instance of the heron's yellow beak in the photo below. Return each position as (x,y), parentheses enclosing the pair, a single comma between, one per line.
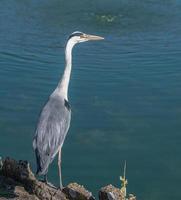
(93,37)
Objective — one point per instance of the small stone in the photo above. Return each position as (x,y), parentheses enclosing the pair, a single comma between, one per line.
(132,197)
(75,191)
(110,196)
(110,193)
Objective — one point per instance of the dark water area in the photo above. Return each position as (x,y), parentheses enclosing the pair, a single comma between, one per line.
(124,91)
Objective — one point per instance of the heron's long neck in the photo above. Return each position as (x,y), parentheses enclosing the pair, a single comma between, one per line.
(64,82)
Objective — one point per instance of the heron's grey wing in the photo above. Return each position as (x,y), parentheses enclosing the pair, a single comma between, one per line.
(51,130)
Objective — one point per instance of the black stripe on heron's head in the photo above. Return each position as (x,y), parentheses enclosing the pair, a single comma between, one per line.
(77,33)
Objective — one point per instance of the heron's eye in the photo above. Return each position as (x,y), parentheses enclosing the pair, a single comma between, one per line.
(83,36)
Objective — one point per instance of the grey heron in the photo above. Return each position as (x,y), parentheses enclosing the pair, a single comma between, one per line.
(55,117)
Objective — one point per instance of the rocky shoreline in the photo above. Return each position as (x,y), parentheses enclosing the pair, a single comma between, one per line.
(18,182)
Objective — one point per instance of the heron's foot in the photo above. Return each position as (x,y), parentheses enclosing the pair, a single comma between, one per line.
(51,185)
(42,180)
(60,188)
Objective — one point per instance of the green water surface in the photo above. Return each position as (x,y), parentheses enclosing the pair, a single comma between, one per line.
(125,91)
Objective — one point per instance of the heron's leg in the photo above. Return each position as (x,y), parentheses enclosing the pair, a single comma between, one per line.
(59,168)
(48,183)
(45,178)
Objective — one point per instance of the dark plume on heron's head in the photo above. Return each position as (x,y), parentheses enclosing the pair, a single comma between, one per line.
(78,36)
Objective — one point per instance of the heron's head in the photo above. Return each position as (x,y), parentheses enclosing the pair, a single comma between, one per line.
(77,37)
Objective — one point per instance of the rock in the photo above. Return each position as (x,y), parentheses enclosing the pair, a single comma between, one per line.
(132,197)
(112,193)
(17,181)
(11,189)
(77,192)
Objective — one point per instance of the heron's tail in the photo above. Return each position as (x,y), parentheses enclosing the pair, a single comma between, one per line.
(38,162)
(42,163)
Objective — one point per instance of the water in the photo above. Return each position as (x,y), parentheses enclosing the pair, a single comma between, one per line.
(124,91)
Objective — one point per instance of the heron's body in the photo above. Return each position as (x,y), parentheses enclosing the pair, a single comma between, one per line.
(55,117)
(52,128)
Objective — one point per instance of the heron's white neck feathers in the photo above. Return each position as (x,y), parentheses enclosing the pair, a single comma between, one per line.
(64,82)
